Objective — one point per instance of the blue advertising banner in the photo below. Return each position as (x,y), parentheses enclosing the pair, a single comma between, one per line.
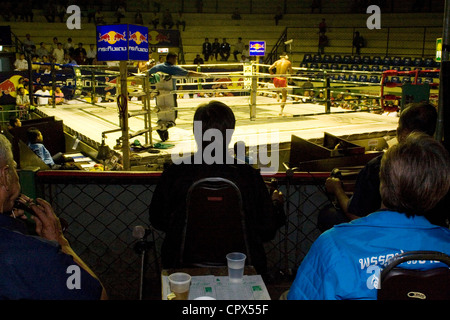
(122,42)
(112,44)
(137,43)
(257,48)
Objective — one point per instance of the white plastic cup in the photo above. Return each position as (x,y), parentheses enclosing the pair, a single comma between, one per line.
(236,264)
(180,283)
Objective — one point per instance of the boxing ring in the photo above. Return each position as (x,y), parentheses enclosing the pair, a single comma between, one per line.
(317,101)
(103,208)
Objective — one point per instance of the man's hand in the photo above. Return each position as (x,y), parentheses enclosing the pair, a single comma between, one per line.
(48,225)
(333,185)
(278,196)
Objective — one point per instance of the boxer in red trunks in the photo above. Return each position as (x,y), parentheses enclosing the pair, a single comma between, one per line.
(282,66)
(280,82)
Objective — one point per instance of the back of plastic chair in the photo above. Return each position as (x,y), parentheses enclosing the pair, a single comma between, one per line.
(408,284)
(214,225)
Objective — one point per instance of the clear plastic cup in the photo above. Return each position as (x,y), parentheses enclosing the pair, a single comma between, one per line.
(180,283)
(236,264)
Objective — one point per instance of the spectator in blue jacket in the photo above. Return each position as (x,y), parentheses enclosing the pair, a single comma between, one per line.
(343,262)
(35,143)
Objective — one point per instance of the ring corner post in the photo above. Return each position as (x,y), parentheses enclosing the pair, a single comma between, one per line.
(253,91)
(327,93)
(124,116)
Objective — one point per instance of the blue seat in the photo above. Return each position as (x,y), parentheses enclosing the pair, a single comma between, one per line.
(317,58)
(406,79)
(366,60)
(387,61)
(374,79)
(396,68)
(357,60)
(355,67)
(314,65)
(375,68)
(384,68)
(347,59)
(304,65)
(407,61)
(337,58)
(395,79)
(363,78)
(342,77)
(419,80)
(429,63)
(324,66)
(396,61)
(365,67)
(428,80)
(307,58)
(352,77)
(406,69)
(334,66)
(345,67)
(377,60)
(417,62)
(327,59)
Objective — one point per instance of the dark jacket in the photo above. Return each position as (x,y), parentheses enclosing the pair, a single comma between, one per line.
(168,207)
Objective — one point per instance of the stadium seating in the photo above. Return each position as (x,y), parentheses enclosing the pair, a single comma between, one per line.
(407,61)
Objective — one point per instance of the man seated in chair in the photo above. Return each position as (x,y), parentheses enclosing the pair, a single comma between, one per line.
(366,197)
(263,215)
(345,261)
(35,143)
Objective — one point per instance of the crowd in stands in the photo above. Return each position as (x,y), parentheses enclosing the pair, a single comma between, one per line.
(55,10)
(57,52)
(215,49)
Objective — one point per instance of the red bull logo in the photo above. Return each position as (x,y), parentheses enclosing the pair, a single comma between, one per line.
(112,37)
(7,87)
(138,37)
(162,37)
(257,46)
(154,37)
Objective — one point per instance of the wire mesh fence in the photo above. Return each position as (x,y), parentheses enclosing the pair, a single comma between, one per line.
(101,217)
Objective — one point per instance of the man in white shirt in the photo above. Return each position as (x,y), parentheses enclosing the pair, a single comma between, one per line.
(21,64)
(58,53)
(91,54)
(42,96)
(238,48)
(54,45)
(246,51)
(69,47)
